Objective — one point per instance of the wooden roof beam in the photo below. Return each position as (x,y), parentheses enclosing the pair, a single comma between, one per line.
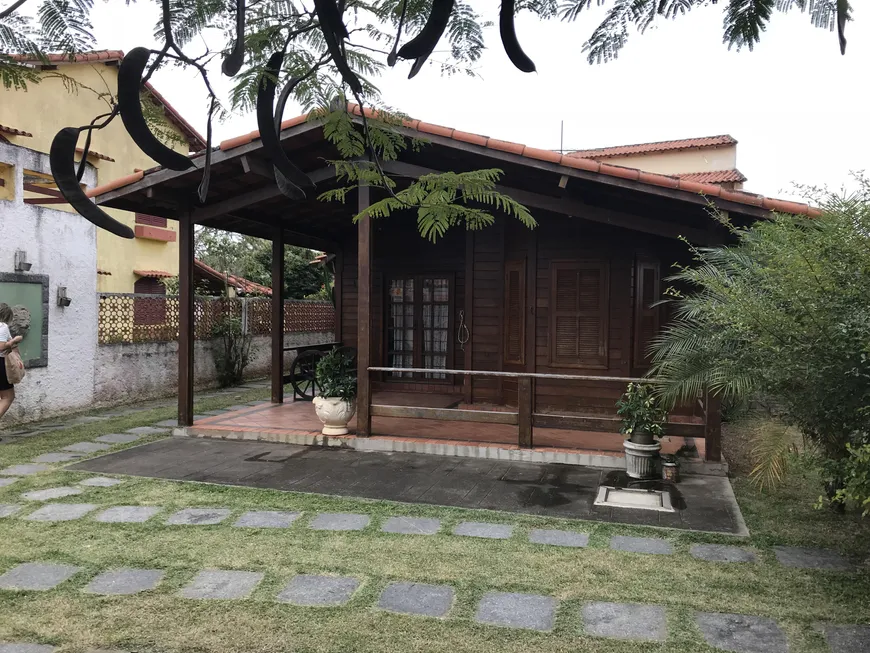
(575,208)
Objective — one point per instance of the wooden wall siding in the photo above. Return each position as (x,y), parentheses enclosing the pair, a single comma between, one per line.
(400,250)
(486,328)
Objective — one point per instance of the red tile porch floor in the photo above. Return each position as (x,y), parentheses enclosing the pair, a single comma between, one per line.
(298,419)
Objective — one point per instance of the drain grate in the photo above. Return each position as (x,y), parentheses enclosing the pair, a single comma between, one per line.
(613,497)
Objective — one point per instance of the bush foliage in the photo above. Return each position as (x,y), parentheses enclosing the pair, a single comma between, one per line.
(783,313)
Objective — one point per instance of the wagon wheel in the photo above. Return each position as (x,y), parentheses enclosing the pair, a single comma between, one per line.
(302,374)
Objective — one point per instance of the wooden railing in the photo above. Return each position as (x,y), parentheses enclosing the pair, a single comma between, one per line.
(525,418)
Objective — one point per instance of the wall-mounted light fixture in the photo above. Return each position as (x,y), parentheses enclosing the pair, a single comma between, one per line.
(21,264)
(62,299)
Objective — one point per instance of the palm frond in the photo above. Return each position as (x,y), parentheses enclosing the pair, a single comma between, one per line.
(772,445)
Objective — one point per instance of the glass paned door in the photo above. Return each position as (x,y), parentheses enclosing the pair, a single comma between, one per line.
(436,324)
(418,325)
(400,329)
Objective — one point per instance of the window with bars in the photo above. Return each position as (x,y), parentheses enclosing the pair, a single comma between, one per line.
(579,313)
(418,324)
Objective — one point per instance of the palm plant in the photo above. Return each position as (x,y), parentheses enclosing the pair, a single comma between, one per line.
(782,314)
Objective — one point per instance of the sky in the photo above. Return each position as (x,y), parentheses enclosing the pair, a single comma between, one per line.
(797,108)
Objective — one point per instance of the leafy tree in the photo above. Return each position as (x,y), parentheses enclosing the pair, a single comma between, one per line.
(328,52)
(783,314)
(251,259)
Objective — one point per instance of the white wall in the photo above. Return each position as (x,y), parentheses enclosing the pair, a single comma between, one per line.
(148,370)
(63,246)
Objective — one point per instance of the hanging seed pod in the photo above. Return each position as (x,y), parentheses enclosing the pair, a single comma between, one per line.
(234,60)
(130,108)
(63,169)
(269,134)
(330,18)
(327,14)
(509,38)
(287,188)
(424,43)
(418,65)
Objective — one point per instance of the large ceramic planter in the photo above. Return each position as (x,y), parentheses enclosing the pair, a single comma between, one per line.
(641,459)
(335,413)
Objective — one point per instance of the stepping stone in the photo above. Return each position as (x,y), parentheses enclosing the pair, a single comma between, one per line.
(87,447)
(339,521)
(641,545)
(318,590)
(146,430)
(20,647)
(625,621)
(9,480)
(8,509)
(25,470)
(88,419)
(741,633)
(559,538)
(167,423)
(100,481)
(57,457)
(266,519)
(127,514)
(36,576)
(417,598)
(118,438)
(219,584)
(51,493)
(847,639)
(528,611)
(411,525)
(804,558)
(125,581)
(721,553)
(61,512)
(198,516)
(480,529)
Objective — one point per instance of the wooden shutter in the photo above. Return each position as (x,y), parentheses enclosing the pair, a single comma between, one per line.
(515,312)
(579,319)
(647,291)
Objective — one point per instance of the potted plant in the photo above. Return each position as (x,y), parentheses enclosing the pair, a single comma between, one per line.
(643,420)
(335,402)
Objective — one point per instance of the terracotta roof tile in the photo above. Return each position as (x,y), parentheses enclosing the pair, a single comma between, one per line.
(14,132)
(714,176)
(115,183)
(95,154)
(569,160)
(660,146)
(154,274)
(239,283)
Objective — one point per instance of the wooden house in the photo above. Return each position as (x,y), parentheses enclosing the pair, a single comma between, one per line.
(534,332)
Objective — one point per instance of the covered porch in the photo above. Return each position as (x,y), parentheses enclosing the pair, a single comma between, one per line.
(556,320)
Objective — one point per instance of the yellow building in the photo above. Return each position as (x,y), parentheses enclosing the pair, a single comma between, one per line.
(30,118)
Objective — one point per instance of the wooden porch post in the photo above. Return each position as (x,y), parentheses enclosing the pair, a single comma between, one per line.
(364,317)
(712,427)
(525,392)
(467,380)
(278,315)
(185,320)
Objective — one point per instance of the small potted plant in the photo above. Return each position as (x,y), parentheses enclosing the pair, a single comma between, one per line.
(335,402)
(643,420)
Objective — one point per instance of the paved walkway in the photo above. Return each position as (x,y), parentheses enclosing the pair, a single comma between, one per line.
(704,503)
(625,621)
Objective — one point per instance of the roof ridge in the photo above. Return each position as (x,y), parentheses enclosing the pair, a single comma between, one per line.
(697,142)
(518,149)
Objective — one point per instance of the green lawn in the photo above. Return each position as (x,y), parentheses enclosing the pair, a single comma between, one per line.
(160,621)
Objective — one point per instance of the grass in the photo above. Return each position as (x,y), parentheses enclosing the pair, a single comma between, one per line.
(160,621)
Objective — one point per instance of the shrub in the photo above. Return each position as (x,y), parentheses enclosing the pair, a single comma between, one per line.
(233,352)
(640,411)
(335,375)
